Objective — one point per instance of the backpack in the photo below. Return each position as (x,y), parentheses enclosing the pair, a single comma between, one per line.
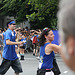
(35,40)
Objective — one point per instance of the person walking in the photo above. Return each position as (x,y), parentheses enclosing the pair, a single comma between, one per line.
(46,52)
(22,48)
(9,55)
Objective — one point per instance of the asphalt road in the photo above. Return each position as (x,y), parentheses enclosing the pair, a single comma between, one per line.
(30,65)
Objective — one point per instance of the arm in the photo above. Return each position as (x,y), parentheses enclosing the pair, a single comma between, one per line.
(1,34)
(8,38)
(52,47)
(8,42)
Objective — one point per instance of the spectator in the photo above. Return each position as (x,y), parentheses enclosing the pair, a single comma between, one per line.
(35,43)
(66,23)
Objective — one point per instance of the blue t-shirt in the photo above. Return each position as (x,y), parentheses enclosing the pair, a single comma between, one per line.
(9,50)
(46,61)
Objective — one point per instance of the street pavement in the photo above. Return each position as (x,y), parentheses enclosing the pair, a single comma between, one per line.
(30,65)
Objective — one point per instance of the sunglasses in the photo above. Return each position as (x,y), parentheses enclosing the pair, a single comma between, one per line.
(13,24)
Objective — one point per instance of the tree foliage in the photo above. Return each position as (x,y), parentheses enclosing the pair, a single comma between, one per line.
(41,13)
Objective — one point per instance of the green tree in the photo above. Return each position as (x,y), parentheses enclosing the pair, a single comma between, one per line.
(17,8)
(41,13)
(45,15)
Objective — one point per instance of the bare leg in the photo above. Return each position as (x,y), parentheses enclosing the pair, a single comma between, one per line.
(17,74)
(22,54)
(36,53)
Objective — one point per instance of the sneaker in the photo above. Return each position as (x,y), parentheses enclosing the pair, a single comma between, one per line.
(22,58)
(33,54)
(38,58)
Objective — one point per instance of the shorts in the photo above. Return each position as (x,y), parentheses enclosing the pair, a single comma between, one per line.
(24,46)
(35,46)
(15,64)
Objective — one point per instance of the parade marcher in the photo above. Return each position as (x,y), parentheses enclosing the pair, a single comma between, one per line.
(16,46)
(18,34)
(66,23)
(9,55)
(29,44)
(46,52)
(35,41)
(22,48)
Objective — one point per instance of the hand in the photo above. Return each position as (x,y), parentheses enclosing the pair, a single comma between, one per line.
(21,42)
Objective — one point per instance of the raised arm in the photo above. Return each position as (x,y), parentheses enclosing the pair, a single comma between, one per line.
(52,47)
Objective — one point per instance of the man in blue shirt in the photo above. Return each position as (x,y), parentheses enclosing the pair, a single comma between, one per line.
(9,55)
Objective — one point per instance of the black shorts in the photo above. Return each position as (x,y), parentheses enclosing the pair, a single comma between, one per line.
(35,46)
(15,64)
(23,47)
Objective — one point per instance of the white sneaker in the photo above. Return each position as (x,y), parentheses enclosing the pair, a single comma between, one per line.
(38,58)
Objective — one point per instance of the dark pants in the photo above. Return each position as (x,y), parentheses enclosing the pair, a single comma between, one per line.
(15,64)
(42,71)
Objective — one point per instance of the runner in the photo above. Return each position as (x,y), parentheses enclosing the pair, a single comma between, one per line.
(9,55)
(47,52)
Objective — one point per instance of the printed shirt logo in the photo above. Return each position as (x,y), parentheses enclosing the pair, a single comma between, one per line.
(41,59)
(40,62)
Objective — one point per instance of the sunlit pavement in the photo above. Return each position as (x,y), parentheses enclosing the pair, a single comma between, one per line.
(30,65)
